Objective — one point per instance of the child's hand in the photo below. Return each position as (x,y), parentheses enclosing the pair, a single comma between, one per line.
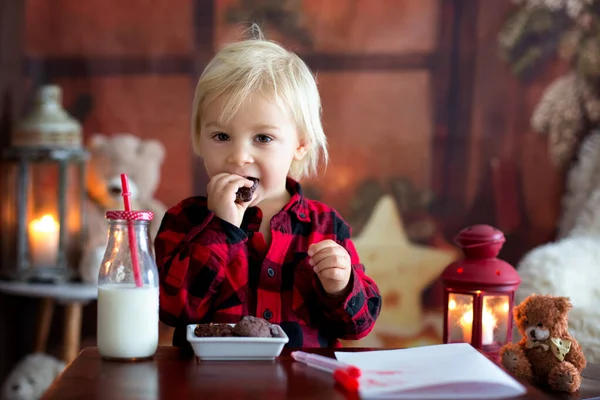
(331,262)
(221,197)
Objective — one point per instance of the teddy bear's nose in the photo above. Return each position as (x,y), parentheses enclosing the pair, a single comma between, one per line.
(532,333)
(15,387)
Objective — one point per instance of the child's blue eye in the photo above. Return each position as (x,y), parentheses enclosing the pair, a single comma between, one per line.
(263,138)
(221,137)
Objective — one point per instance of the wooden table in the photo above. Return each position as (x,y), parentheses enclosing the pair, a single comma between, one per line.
(173,374)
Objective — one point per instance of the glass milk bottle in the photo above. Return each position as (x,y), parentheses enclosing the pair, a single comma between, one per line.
(128,300)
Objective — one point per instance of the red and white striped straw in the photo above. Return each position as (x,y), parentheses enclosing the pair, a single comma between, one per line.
(137,276)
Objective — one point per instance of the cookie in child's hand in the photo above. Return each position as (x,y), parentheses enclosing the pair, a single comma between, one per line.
(244,194)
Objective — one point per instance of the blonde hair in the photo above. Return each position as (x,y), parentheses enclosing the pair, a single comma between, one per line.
(258,66)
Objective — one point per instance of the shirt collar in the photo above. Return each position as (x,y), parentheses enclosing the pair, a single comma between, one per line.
(297,204)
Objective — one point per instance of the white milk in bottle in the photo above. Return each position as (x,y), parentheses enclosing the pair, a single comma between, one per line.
(128,296)
(127,320)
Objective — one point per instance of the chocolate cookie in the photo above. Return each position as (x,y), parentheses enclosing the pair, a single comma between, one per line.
(244,194)
(253,327)
(213,330)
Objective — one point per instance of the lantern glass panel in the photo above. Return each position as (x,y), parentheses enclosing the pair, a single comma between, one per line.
(496,317)
(43,215)
(460,317)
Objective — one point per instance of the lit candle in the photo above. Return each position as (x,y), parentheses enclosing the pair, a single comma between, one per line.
(466,322)
(488,323)
(43,239)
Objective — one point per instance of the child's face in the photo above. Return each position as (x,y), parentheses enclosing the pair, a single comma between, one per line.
(260,141)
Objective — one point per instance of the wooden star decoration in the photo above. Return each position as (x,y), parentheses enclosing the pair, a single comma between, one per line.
(401,269)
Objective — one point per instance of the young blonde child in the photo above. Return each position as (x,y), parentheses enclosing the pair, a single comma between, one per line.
(279,256)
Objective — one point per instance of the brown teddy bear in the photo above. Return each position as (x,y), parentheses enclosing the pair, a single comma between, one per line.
(546,354)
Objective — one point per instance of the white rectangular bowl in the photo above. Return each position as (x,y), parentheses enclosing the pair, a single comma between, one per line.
(237,347)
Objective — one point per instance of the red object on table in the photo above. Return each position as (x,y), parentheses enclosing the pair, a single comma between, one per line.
(479,292)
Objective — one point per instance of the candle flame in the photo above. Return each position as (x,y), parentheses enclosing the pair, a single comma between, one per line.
(47,223)
(487,318)
(452,304)
(467,318)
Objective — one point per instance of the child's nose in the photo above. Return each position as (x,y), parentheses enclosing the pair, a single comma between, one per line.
(240,155)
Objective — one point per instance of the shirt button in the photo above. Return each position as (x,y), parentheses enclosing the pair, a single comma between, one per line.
(302,215)
(360,322)
(271,272)
(267,314)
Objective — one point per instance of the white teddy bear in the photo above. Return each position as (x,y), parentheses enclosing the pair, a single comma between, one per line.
(31,377)
(141,159)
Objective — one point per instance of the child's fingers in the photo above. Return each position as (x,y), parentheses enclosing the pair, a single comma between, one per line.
(336,252)
(333,274)
(332,261)
(216,182)
(220,181)
(229,185)
(317,247)
(327,262)
(249,183)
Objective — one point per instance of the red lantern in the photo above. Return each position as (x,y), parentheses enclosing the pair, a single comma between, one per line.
(479,292)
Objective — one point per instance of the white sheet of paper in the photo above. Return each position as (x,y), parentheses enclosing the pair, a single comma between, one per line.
(447,371)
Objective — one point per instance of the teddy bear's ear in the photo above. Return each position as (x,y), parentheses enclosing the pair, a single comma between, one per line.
(518,313)
(97,142)
(153,149)
(563,304)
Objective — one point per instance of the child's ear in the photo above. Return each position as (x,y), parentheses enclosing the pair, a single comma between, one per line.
(301,150)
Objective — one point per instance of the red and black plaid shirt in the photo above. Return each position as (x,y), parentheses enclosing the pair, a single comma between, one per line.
(213,271)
